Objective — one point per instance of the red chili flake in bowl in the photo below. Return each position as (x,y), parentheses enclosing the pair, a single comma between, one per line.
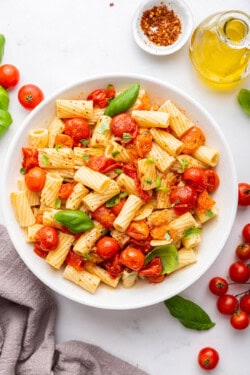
(161,25)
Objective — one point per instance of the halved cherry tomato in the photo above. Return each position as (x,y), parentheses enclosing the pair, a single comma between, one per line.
(154,268)
(184,199)
(103,164)
(192,139)
(66,190)
(46,238)
(138,230)
(35,179)
(30,158)
(143,143)
(132,258)
(78,129)
(9,76)
(30,96)
(64,140)
(101,97)
(124,127)
(104,216)
(243,194)
(107,247)
(74,260)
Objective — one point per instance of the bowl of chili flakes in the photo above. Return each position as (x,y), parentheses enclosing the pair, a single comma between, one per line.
(162,27)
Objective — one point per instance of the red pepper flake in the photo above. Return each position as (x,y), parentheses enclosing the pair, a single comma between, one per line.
(161,25)
(111,4)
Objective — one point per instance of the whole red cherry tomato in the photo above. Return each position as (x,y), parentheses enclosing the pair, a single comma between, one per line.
(227,304)
(243,251)
(46,238)
(239,320)
(246,233)
(238,272)
(9,76)
(218,286)
(184,198)
(195,177)
(243,194)
(132,258)
(208,358)
(78,129)
(124,127)
(30,96)
(245,303)
(107,247)
(35,179)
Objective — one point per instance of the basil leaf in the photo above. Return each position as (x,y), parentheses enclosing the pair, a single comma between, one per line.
(5,121)
(168,255)
(189,313)
(123,101)
(191,232)
(2,43)
(244,100)
(4,99)
(75,220)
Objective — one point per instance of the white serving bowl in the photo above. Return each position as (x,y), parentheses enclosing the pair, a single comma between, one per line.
(214,235)
(181,9)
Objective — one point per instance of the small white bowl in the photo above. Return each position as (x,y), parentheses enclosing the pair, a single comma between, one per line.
(181,9)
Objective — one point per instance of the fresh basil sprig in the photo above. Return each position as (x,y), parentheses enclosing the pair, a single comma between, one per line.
(244,100)
(123,101)
(168,255)
(75,220)
(189,313)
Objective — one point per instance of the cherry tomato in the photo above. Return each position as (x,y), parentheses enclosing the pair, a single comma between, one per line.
(30,96)
(184,198)
(192,139)
(227,304)
(66,190)
(245,303)
(238,272)
(204,202)
(213,180)
(103,164)
(143,143)
(132,258)
(218,286)
(243,251)
(243,194)
(124,127)
(101,97)
(116,209)
(208,358)
(9,76)
(74,260)
(78,129)
(246,233)
(30,158)
(46,238)
(156,278)
(154,268)
(35,179)
(107,247)
(113,266)
(104,216)
(195,177)
(63,140)
(138,230)
(239,320)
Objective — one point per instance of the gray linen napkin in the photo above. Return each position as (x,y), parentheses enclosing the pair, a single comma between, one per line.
(27,322)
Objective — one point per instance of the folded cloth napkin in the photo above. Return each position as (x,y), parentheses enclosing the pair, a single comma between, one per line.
(27,323)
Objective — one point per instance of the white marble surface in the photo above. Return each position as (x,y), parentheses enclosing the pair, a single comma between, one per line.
(56,42)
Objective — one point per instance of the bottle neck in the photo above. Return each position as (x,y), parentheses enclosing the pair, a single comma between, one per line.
(233,28)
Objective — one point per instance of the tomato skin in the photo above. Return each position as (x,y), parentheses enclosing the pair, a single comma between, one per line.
(243,251)
(208,358)
(9,76)
(103,164)
(116,209)
(77,128)
(132,258)
(107,247)
(35,179)
(246,233)
(74,260)
(154,268)
(143,143)
(243,194)
(238,272)
(218,286)
(101,97)
(30,158)
(124,123)
(213,180)
(245,303)
(227,304)
(66,190)
(192,139)
(30,96)
(46,238)
(239,320)
(138,230)
(104,216)
(184,199)
(64,140)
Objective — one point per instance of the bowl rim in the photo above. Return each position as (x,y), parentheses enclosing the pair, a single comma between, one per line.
(144,43)
(118,76)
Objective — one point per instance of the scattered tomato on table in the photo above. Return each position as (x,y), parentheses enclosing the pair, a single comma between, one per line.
(9,76)
(243,194)
(208,358)
(30,96)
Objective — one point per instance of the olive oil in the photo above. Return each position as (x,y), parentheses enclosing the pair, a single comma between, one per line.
(220,49)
